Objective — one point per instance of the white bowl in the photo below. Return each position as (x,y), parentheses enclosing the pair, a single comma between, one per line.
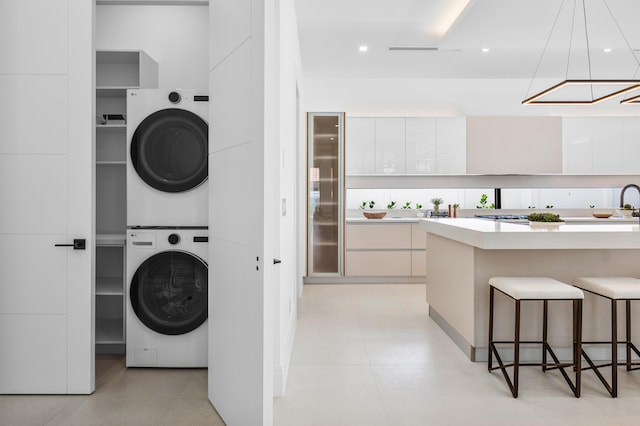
(624,213)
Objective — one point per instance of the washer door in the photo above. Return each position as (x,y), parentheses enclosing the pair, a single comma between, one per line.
(170,150)
(168,292)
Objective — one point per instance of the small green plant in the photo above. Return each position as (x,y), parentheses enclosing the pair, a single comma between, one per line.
(391,205)
(367,203)
(418,206)
(407,205)
(544,217)
(591,206)
(531,207)
(437,201)
(627,207)
(483,203)
(549,207)
(456,206)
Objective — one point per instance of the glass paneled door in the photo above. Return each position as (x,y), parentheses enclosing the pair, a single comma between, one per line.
(325,187)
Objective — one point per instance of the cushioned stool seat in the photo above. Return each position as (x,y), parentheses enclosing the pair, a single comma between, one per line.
(614,289)
(536,289)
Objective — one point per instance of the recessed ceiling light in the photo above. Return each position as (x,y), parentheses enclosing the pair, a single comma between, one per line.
(485,50)
(607,49)
(363,48)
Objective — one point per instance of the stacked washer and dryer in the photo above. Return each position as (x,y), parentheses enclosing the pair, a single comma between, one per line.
(167,228)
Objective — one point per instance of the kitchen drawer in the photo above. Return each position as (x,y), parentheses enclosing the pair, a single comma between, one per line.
(378,263)
(418,237)
(378,236)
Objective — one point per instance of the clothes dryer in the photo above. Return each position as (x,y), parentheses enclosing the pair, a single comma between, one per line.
(167,157)
(166,297)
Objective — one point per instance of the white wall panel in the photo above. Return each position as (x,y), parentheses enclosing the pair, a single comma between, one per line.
(233,205)
(33,114)
(40,361)
(230,101)
(21,287)
(36,205)
(230,27)
(33,52)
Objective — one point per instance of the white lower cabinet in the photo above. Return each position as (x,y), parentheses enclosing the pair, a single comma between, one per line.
(385,249)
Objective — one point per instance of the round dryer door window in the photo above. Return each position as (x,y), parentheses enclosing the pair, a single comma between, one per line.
(168,292)
(170,150)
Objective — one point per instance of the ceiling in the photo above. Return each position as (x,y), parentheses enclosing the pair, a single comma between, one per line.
(515,31)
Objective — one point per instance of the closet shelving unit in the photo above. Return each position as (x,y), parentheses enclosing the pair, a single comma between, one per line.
(116,71)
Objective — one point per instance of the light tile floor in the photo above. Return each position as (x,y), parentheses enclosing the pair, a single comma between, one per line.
(370,355)
(363,355)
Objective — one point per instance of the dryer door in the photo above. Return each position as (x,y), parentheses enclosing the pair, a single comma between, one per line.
(169,292)
(170,150)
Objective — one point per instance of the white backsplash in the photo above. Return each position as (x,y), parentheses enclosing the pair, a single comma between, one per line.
(567,198)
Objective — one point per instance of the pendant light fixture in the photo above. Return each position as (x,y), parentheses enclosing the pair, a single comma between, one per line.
(588,66)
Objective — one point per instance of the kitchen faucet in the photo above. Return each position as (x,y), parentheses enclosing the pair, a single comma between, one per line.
(631,185)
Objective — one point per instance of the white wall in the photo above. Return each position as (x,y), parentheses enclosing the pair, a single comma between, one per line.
(439,97)
(177,37)
(285,308)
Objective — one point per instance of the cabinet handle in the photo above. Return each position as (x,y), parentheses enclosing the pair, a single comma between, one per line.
(276,261)
(78,244)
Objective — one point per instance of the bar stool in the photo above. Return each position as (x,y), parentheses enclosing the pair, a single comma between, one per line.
(536,289)
(614,289)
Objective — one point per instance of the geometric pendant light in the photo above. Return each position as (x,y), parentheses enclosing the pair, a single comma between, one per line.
(585,89)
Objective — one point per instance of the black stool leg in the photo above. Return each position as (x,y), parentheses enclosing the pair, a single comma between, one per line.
(490,362)
(516,351)
(545,316)
(628,343)
(614,348)
(577,338)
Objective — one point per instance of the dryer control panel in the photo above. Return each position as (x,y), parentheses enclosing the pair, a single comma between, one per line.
(136,239)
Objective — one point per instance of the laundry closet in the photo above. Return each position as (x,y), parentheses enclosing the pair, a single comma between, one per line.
(151,183)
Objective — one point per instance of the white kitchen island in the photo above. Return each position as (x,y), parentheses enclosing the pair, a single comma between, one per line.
(462,254)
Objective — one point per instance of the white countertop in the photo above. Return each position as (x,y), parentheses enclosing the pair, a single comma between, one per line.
(383,220)
(490,235)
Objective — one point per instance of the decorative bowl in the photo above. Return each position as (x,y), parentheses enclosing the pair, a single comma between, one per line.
(377,215)
(602,215)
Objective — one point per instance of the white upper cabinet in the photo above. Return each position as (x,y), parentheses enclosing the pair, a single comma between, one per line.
(412,145)
(631,145)
(360,146)
(577,145)
(420,145)
(607,145)
(390,146)
(451,145)
(601,145)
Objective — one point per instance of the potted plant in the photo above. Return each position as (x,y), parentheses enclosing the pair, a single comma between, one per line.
(544,219)
(391,205)
(407,205)
(626,210)
(456,206)
(371,215)
(436,203)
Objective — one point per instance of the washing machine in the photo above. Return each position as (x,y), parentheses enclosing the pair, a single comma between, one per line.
(167,157)
(166,297)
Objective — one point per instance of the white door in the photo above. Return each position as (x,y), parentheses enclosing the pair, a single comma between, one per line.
(46,117)
(243,165)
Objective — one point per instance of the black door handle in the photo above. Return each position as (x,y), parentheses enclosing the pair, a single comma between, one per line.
(78,244)
(276,261)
